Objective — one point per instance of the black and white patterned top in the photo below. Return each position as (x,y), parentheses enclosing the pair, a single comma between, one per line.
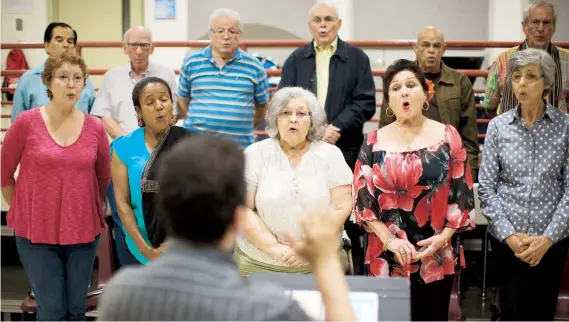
(524,178)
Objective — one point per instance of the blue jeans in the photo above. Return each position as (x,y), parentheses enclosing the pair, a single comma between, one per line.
(59,276)
(123,255)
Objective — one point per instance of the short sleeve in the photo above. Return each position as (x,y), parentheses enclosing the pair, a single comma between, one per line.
(184,80)
(262,87)
(460,213)
(366,206)
(13,146)
(339,173)
(119,147)
(252,166)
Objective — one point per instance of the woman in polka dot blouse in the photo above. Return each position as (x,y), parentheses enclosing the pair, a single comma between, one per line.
(524,191)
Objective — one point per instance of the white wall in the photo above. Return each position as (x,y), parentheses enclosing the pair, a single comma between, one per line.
(34,23)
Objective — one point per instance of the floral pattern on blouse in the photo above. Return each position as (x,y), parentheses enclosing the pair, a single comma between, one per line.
(416,194)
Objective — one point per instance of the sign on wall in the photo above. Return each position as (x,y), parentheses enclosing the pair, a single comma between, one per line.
(164,9)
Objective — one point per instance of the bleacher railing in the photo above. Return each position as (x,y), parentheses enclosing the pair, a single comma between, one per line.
(245,45)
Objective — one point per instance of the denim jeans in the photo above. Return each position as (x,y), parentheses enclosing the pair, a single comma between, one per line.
(59,276)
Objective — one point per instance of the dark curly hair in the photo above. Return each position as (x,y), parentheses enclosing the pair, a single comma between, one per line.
(399,66)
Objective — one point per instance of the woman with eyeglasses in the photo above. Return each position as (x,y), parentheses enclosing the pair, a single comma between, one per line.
(56,202)
(524,191)
(288,174)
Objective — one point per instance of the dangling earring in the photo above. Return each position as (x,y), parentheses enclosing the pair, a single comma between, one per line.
(387,110)
(140,123)
(425,108)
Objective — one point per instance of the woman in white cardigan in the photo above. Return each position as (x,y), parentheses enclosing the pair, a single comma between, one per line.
(288,174)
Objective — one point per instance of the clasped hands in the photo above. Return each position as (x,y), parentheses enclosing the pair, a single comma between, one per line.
(529,249)
(405,253)
(284,252)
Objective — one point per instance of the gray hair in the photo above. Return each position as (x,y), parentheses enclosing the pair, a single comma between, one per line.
(226,13)
(540,4)
(131,29)
(280,100)
(533,56)
(324,3)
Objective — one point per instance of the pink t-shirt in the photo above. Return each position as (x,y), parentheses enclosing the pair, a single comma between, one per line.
(57,195)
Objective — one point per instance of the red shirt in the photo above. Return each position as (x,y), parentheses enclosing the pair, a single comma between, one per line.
(57,195)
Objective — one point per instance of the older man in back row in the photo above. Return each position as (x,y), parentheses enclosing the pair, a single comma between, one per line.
(538,25)
(114,99)
(222,89)
(453,100)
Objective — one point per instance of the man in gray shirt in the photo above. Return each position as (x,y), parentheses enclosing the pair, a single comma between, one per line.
(203,205)
(113,103)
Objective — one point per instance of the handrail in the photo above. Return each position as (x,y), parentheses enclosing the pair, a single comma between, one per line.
(270,72)
(288,43)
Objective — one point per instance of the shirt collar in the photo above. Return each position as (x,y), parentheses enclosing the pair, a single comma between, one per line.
(515,114)
(207,53)
(143,74)
(39,69)
(208,251)
(332,48)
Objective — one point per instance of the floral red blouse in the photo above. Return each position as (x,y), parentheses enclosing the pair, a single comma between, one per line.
(416,194)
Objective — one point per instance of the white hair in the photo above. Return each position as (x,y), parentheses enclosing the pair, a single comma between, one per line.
(311,11)
(137,28)
(226,13)
(540,4)
(280,100)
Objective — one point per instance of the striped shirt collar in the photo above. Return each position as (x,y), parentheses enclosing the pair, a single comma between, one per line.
(207,53)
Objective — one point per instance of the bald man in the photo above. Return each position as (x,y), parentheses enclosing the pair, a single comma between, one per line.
(453,102)
(114,99)
(113,104)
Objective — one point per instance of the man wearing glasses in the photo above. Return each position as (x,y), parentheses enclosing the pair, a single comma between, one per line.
(114,98)
(115,107)
(30,90)
(222,89)
(539,27)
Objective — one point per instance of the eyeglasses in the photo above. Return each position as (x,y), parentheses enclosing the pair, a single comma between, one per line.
(530,78)
(299,115)
(135,45)
(222,32)
(77,80)
(537,22)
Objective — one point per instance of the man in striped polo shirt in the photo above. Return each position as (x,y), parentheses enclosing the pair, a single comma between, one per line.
(222,89)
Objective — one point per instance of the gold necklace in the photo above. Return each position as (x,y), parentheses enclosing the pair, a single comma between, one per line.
(410,143)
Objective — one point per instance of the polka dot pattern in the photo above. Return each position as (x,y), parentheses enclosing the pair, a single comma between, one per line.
(524,178)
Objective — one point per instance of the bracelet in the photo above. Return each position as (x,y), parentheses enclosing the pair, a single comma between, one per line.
(386,247)
(446,241)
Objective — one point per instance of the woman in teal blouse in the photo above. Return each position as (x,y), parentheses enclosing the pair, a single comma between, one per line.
(134,161)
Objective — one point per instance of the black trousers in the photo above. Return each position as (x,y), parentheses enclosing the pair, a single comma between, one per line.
(353,230)
(529,293)
(430,302)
